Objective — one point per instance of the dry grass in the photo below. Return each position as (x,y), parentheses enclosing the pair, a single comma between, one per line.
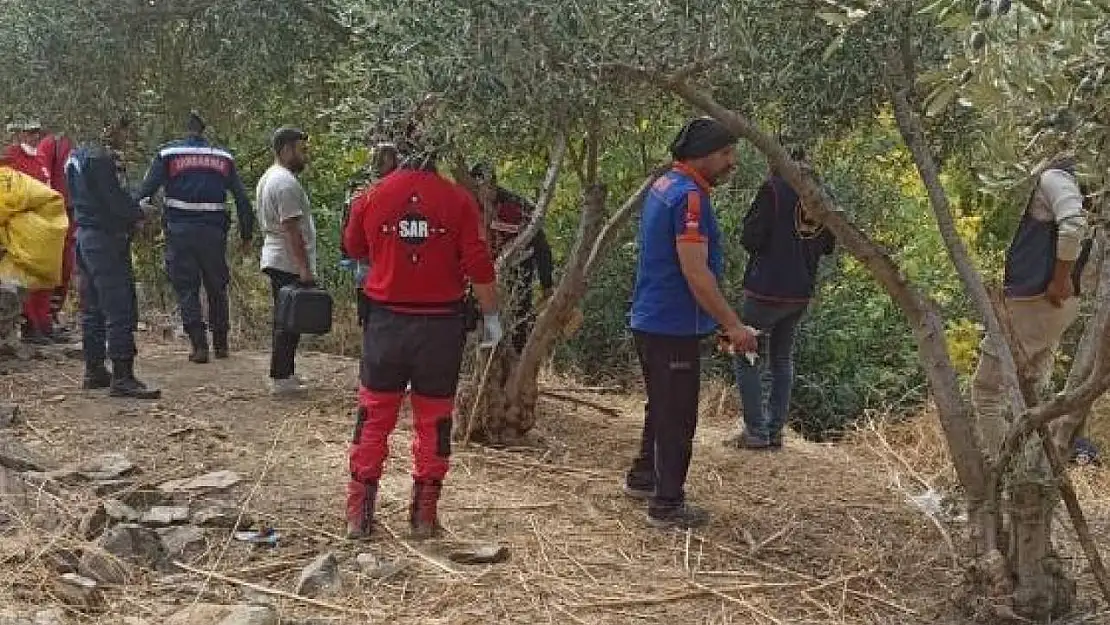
(815,534)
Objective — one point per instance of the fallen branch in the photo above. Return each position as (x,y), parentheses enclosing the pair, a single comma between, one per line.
(613,412)
(736,600)
(413,550)
(266,590)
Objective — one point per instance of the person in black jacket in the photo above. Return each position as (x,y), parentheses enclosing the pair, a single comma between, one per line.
(511,215)
(784,247)
(107,217)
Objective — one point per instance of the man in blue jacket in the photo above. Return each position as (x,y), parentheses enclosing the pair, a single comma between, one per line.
(196,177)
(784,249)
(106,217)
(677,302)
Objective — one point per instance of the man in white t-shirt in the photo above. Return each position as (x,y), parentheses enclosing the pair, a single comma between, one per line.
(289,246)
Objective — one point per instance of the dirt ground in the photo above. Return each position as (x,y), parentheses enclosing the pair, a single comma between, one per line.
(814,534)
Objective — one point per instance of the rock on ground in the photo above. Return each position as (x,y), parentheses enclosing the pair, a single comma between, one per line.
(321,576)
(214,614)
(9,415)
(221,516)
(78,592)
(93,522)
(107,467)
(120,512)
(217,480)
(15,456)
(162,516)
(375,568)
(125,543)
(183,542)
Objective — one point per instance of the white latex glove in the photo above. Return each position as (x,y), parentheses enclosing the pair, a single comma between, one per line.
(492,331)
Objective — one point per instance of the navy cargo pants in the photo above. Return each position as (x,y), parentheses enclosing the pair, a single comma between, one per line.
(109,310)
(197,255)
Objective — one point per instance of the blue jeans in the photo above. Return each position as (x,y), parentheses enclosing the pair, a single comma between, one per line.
(778,324)
(197,255)
(109,311)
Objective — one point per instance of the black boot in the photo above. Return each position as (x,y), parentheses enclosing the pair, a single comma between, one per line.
(124,383)
(361,500)
(219,344)
(97,376)
(199,339)
(423,516)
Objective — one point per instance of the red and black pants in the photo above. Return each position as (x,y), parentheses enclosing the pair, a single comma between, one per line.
(424,350)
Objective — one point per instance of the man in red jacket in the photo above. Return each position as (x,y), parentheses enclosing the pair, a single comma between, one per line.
(22,155)
(53,152)
(424,238)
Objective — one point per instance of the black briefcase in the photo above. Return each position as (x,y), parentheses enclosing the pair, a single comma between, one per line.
(304,309)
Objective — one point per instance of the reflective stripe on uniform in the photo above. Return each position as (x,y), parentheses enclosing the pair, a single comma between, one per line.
(195,206)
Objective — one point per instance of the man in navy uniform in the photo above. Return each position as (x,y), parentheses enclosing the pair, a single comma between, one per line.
(197,176)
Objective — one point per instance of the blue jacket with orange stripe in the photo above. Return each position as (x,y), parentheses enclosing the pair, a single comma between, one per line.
(197,177)
(677,208)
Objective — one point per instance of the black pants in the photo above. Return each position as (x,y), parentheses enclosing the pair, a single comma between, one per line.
(109,309)
(521,296)
(424,350)
(284,351)
(672,375)
(196,255)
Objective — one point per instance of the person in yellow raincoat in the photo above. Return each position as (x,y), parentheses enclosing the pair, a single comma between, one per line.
(33,227)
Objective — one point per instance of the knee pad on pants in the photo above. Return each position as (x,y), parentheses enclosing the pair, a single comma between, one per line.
(374,422)
(431,445)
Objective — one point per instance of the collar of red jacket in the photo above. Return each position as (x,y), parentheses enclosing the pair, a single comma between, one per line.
(686,170)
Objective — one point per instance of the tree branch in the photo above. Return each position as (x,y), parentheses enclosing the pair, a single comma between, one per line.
(547,194)
(914,136)
(612,228)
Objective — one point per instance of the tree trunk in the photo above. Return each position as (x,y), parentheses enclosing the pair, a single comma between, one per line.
(503,408)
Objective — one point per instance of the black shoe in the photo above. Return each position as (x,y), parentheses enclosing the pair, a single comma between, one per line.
(34,337)
(219,344)
(743,440)
(684,516)
(199,339)
(638,487)
(97,376)
(124,383)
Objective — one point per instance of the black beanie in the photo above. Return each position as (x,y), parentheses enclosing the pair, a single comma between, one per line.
(701,137)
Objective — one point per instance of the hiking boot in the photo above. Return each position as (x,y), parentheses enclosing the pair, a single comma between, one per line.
(124,383)
(683,516)
(284,387)
(638,486)
(96,377)
(219,345)
(32,336)
(743,440)
(59,335)
(423,520)
(199,339)
(361,500)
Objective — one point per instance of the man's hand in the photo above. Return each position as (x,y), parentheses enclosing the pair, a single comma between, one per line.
(1059,291)
(492,331)
(305,276)
(743,339)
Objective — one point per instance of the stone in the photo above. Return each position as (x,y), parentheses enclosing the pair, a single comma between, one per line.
(222,517)
(50,616)
(8,617)
(93,523)
(214,614)
(62,560)
(217,480)
(320,577)
(123,544)
(79,593)
(163,516)
(184,542)
(15,456)
(9,415)
(484,554)
(120,512)
(107,467)
(375,568)
(104,488)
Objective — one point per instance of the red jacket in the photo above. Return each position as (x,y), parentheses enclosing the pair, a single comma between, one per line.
(424,238)
(20,160)
(53,152)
